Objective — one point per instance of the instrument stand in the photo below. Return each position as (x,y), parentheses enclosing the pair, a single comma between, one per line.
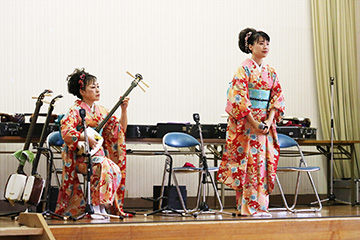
(169,161)
(89,210)
(47,212)
(203,206)
(331,197)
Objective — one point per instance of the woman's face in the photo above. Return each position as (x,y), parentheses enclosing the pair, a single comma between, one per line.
(91,92)
(260,49)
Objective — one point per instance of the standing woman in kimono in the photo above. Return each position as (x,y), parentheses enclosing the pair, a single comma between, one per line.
(109,163)
(254,103)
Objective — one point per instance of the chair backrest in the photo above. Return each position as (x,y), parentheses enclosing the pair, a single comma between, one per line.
(54,139)
(179,140)
(286,141)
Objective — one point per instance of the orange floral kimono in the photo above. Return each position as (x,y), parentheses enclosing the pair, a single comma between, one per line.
(109,163)
(250,160)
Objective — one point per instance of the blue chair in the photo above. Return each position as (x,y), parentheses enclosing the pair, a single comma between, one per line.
(185,141)
(55,139)
(287,142)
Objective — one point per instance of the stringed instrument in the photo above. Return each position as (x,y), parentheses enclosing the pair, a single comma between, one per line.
(15,185)
(35,183)
(95,133)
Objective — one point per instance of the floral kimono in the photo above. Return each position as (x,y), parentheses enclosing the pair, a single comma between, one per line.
(109,163)
(250,160)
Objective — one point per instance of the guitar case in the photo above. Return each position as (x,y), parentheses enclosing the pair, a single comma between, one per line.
(35,183)
(16,182)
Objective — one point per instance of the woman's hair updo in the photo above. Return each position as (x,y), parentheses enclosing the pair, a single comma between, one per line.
(79,79)
(249,36)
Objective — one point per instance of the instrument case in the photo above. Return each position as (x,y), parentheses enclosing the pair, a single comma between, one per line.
(9,129)
(24,128)
(208,131)
(141,131)
(297,132)
(164,128)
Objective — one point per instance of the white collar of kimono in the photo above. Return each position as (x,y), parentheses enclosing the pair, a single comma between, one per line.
(257,65)
(92,107)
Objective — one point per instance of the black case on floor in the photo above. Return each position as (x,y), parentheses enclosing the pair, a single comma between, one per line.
(174,200)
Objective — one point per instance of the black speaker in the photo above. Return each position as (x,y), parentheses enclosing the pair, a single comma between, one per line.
(174,200)
(54,192)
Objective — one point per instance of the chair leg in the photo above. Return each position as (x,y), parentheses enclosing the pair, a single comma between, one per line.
(296,190)
(292,208)
(283,198)
(163,183)
(198,195)
(179,193)
(216,193)
(316,193)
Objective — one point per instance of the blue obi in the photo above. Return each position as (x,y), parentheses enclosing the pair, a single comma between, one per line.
(259,98)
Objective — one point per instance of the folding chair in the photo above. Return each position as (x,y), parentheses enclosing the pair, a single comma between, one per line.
(287,142)
(181,141)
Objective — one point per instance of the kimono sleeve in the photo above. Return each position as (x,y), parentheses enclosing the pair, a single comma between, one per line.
(114,144)
(238,102)
(68,129)
(113,129)
(277,100)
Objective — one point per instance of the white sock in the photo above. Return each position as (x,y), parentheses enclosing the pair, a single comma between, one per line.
(97,210)
(103,209)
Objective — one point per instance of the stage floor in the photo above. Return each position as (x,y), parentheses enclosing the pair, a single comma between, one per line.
(332,222)
(335,211)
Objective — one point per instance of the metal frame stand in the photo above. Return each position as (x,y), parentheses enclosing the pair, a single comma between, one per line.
(89,210)
(331,196)
(203,206)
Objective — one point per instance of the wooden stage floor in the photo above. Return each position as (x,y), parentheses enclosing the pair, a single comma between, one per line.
(333,222)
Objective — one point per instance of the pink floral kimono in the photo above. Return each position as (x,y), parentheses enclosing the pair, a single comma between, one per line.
(109,163)
(250,160)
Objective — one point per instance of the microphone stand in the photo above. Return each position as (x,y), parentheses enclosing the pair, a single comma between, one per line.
(203,206)
(331,197)
(89,209)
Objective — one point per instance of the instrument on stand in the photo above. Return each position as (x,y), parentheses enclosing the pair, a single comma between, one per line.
(95,133)
(15,185)
(35,183)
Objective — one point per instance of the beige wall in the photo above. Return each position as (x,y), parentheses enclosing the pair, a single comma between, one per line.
(186,50)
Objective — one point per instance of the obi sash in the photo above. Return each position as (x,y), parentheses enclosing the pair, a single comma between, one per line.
(259,98)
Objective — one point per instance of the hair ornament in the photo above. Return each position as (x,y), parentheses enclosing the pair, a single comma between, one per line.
(82,76)
(81,82)
(248,35)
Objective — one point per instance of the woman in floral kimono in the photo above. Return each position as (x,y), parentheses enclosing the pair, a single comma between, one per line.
(254,104)
(109,162)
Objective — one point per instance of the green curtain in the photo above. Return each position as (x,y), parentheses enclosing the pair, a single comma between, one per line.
(334,35)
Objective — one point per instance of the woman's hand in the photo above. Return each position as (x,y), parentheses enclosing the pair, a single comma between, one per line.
(92,142)
(91,139)
(267,126)
(125,103)
(260,127)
